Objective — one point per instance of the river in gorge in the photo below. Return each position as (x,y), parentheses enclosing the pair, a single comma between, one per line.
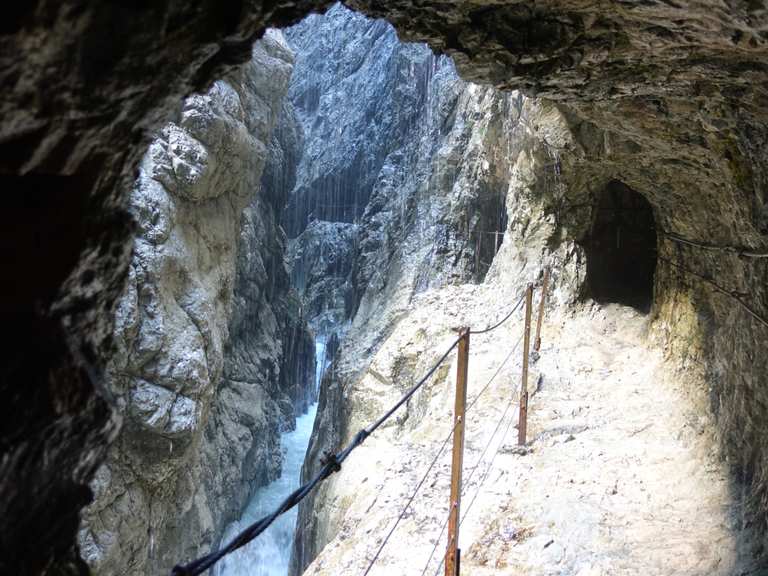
(270,553)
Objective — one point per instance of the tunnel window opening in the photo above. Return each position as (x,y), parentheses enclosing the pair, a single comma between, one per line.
(621,249)
(490,233)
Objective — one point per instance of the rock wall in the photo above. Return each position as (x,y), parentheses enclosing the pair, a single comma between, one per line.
(552,165)
(687,130)
(434,216)
(673,94)
(321,260)
(213,351)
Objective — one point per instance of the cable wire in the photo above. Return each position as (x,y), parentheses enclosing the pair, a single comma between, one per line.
(331,464)
(500,322)
(434,461)
(746,252)
(471,405)
(498,369)
(720,289)
(488,469)
(480,484)
(410,500)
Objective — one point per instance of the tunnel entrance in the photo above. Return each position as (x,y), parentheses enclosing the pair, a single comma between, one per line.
(621,248)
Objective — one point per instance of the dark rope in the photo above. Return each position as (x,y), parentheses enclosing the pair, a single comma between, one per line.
(720,289)
(372,428)
(500,322)
(331,464)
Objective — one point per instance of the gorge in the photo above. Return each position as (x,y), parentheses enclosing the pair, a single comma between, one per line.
(311,224)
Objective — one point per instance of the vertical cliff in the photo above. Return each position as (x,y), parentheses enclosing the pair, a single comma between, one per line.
(547,178)
(213,351)
(400,187)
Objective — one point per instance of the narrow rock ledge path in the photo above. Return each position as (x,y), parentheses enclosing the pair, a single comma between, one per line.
(622,474)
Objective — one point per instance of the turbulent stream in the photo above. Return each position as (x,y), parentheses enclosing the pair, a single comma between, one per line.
(270,553)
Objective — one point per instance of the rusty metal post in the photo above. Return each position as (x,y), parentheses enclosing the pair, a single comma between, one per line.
(522,422)
(452,552)
(542,300)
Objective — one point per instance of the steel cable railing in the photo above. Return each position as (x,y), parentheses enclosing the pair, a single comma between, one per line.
(332,464)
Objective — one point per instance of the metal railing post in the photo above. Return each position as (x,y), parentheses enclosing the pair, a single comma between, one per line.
(522,423)
(452,552)
(542,300)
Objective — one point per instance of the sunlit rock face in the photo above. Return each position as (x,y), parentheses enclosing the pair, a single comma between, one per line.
(205,381)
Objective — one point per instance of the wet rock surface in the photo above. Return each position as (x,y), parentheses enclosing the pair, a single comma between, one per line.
(211,344)
(321,260)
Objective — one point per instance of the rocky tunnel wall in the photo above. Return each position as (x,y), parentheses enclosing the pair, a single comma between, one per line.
(86,82)
(709,294)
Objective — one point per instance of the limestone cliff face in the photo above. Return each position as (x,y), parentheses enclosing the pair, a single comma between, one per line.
(435,215)
(212,347)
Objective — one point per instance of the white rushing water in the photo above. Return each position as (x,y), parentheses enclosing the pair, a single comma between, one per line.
(270,553)
(320,362)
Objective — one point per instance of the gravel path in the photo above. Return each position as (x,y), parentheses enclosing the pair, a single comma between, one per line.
(621,475)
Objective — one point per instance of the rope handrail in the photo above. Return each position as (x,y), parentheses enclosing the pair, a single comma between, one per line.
(500,322)
(331,463)
(407,396)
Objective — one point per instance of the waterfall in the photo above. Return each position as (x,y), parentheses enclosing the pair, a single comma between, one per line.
(321,361)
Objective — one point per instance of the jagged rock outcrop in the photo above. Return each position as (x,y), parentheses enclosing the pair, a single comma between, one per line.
(321,261)
(392,104)
(346,145)
(213,349)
